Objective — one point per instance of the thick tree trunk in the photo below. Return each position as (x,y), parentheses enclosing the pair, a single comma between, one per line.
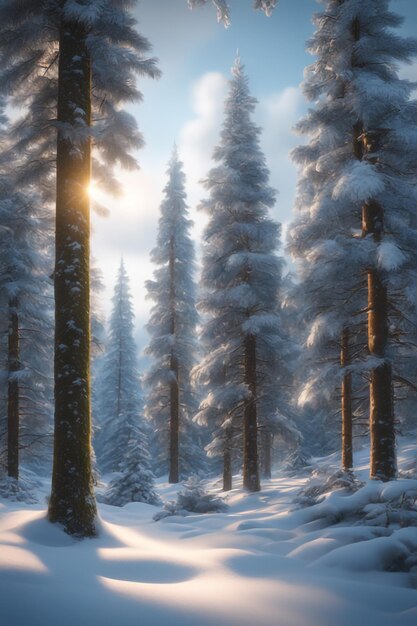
(250,428)
(13,392)
(381,419)
(227,468)
(174,425)
(72,501)
(347,442)
(266,439)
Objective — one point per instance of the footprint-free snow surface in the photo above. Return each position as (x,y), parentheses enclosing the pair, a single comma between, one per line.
(264,562)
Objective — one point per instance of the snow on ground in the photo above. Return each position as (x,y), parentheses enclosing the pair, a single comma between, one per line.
(261,563)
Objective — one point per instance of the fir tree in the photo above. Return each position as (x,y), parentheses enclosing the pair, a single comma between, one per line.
(223,9)
(117,390)
(171,402)
(135,482)
(25,322)
(241,279)
(122,432)
(356,167)
(68,62)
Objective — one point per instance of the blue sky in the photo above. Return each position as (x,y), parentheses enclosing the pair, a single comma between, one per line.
(195,55)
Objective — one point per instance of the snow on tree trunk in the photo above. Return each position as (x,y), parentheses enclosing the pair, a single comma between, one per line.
(13,391)
(72,501)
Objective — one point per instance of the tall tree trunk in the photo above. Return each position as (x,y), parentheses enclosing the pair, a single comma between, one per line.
(13,392)
(227,465)
(174,398)
(347,442)
(381,393)
(72,501)
(250,428)
(266,442)
(381,419)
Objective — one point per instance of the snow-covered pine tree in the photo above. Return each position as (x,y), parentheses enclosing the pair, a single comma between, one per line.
(121,440)
(118,389)
(135,480)
(223,9)
(25,322)
(171,401)
(241,278)
(69,63)
(358,170)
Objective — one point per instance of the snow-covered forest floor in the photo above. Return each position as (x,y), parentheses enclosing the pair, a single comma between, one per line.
(266,561)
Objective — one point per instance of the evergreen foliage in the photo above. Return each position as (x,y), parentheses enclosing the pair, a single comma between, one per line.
(223,9)
(117,388)
(121,431)
(26,312)
(361,157)
(71,65)
(241,280)
(172,327)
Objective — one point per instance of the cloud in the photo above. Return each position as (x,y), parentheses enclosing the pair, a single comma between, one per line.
(277,114)
(198,136)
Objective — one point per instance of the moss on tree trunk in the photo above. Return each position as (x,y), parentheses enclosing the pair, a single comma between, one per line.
(72,501)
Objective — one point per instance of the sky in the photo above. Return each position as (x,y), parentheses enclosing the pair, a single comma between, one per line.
(186,106)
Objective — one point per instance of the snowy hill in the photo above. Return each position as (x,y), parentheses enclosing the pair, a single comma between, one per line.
(266,561)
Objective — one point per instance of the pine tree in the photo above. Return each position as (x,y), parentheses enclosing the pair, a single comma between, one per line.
(355,168)
(121,431)
(25,319)
(135,483)
(223,9)
(241,278)
(68,61)
(171,401)
(118,388)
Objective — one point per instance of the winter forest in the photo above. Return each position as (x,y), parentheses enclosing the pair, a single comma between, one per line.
(208,358)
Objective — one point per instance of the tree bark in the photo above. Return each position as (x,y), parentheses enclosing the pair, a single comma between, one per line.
(13,392)
(174,385)
(266,439)
(227,468)
(347,442)
(250,429)
(72,501)
(381,419)
(381,394)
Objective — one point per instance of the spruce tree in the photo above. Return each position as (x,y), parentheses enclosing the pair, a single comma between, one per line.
(25,321)
(171,401)
(241,278)
(223,9)
(353,238)
(68,62)
(117,389)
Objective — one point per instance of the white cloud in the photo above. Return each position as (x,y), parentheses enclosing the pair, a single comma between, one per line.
(277,114)
(198,137)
